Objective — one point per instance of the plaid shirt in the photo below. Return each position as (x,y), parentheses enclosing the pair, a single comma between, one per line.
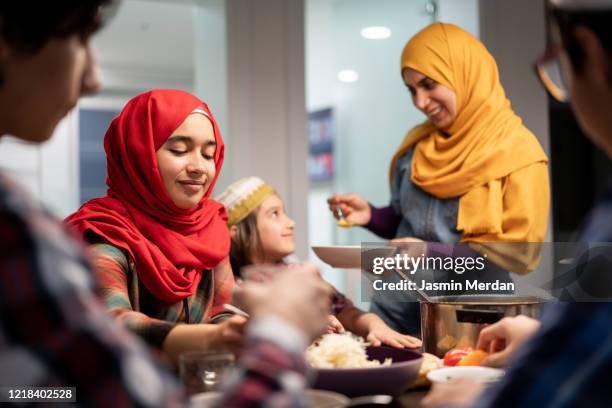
(272,371)
(54,332)
(130,301)
(568,363)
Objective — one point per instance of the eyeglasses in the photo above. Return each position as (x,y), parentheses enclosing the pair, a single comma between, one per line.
(548,66)
(549,71)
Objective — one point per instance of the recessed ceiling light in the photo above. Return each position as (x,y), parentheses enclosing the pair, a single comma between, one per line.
(348,75)
(375,32)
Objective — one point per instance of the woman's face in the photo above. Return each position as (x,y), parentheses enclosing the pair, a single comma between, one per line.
(41,88)
(186,161)
(275,230)
(436,101)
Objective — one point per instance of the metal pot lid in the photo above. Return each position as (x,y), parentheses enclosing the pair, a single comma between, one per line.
(488,300)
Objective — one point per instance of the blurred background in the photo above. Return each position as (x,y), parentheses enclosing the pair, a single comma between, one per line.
(308,96)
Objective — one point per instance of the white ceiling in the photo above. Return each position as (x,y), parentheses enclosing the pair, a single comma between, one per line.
(149,37)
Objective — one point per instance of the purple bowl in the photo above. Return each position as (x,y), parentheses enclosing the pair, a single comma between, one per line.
(390,380)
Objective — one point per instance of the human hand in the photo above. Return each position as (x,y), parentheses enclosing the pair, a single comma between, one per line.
(461,392)
(383,334)
(503,338)
(413,247)
(229,333)
(355,208)
(225,336)
(334,325)
(301,298)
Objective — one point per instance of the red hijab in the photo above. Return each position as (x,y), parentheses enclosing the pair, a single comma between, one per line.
(170,246)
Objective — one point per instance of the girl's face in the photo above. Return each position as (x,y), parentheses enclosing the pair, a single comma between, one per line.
(275,230)
(436,101)
(186,161)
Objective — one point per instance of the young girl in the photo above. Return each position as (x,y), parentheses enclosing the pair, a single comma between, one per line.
(262,233)
(160,244)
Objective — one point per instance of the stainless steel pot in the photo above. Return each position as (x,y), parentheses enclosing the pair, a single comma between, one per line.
(448,322)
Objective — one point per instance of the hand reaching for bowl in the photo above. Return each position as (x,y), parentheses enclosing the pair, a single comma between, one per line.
(334,325)
(384,335)
(503,338)
(356,209)
(412,247)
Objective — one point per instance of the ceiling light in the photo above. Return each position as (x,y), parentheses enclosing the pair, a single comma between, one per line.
(348,75)
(375,33)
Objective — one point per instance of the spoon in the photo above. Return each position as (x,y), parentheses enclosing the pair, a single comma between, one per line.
(342,222)
(370,400)
(236,310)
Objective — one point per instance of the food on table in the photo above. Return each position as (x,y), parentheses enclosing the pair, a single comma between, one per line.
(474,358)
(340,351)
(447,342)
(342,222)
(464,356)
(430,363)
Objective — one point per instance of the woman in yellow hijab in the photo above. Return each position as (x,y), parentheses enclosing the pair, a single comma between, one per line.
(472,172)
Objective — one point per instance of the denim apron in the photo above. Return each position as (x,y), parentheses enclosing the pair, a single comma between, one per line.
(428,218)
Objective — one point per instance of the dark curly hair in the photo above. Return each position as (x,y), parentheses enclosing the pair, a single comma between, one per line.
(27,26)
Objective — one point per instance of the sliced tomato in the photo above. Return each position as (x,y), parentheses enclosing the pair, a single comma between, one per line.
(453,356)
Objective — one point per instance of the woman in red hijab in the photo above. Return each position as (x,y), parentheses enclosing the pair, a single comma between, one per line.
(160,243)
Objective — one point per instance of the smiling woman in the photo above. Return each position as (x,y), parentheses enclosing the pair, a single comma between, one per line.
(471,172)
(186,160)
(160,243)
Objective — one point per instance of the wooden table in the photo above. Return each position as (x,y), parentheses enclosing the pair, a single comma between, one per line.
(411,399)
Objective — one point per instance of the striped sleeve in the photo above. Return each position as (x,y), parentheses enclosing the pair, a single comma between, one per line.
(112,271)
(223,288)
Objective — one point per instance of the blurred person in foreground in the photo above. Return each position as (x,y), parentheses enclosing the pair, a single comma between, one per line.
(54,330)
(567,360)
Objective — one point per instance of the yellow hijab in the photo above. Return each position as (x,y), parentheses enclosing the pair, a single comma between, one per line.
(487,140)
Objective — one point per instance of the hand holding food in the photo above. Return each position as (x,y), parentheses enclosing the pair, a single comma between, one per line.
(301,297)
(503,338)
(352,208)
(464,356)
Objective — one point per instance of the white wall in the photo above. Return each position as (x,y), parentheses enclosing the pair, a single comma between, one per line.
(47,171)
(266,100)
(464,13)
(210,70)
(514,32)
(372,115)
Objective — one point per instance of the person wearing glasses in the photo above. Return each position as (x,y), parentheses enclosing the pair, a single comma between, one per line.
(471,173)
(566,360)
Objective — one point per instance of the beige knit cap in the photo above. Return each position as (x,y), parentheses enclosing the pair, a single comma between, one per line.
(243,197)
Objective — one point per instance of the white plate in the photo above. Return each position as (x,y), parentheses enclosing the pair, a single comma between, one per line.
(482,374)
(316,398)
(340,256)
(349,256)
(326,399)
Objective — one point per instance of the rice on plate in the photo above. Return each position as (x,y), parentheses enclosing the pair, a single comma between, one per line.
(341,351)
